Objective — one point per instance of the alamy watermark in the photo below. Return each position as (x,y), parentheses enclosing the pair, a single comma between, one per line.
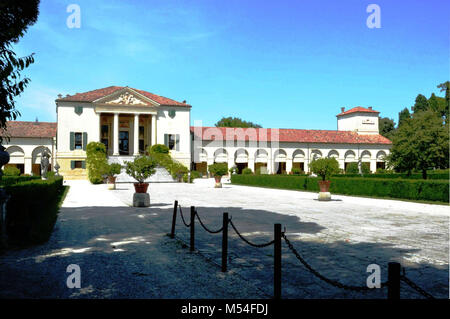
(74,19)
(374,19)
(74,279)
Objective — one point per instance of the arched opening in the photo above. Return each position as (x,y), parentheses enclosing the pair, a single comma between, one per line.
(201,165)
(16,158)
(298,160)
(241,159)
(365,160)
(261,159)
(280,161)
(381,160)
(349,157)
(36,159)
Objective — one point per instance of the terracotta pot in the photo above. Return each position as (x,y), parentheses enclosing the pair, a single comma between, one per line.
(141,187)
(324,186)
(217,178)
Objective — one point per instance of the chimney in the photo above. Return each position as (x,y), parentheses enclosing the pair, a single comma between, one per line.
(59,96)
(342,109)
(370,108)
(184,101)
(67,95)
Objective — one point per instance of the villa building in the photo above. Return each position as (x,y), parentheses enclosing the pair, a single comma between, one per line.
(128,121)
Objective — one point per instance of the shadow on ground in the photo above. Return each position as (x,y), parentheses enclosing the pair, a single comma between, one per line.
(123,252)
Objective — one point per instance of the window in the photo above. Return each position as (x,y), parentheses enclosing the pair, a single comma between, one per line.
(77,164)
(141,139)
(172,141)
(78,141)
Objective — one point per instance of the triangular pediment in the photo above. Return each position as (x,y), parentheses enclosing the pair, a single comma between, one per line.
(126,96)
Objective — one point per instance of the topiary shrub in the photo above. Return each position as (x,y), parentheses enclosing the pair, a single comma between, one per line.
(159,148)
(365,168)
(141,168)
(11,171)
(97,164)
(218,169)
(297,171)
(325,167)
(247,171)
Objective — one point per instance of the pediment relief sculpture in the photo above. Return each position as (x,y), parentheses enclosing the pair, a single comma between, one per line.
(127,99)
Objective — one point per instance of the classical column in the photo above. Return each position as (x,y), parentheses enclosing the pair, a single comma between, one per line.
(153,129)
(251,164)
(288,165)
(136,135)
(116,134)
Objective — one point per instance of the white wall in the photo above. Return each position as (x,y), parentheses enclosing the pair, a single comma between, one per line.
(364,123)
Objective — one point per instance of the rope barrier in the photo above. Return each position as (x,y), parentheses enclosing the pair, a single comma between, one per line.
(248,242)
(182,218)
(206,228)
(332,282)
(414,286)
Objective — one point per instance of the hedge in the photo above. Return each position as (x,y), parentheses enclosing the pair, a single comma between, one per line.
(430,190)
(443,176)
(32,210)
(10,180)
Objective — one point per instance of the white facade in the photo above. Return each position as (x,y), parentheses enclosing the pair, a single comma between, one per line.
(128,121)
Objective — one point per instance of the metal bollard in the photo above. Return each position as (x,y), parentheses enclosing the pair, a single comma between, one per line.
(174,219)
(277,262)
(192,229)
(394,280)
(224,242)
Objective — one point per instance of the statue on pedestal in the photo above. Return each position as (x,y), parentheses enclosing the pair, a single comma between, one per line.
(45,162)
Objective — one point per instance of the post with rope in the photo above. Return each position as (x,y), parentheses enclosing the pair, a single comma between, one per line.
(394,280)
(192,241)
(277,262)
(174,219)
(224,242)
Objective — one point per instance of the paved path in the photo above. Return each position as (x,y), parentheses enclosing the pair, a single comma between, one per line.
(123,251)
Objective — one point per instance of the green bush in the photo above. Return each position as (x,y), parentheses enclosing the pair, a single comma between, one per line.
(10,180)
(247,171)
(113,169)
(297,171)
(352,168)
(32,210)
(159,148)
(218,169)
(325,167)
(96,162)
(50,174)
(11,171)
(194,175)
(430,190)
(141,168)
(365,168)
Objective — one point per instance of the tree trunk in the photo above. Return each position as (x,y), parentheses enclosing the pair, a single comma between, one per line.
(424,174)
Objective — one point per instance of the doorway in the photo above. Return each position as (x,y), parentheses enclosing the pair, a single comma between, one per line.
(124,143)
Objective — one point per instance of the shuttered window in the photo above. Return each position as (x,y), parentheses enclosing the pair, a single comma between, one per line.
(172,141)
(78,140)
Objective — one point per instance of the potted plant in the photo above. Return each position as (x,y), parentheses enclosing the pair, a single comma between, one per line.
(111,171)
(140,169)
(218,170)
(324,167)
(233,170)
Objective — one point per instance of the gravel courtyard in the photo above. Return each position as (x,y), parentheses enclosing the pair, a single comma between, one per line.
(123,252)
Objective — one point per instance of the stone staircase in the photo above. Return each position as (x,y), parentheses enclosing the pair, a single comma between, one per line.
(161,175)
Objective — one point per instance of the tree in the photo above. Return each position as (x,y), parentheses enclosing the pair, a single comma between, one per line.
(403,116)
(420,143)
(421,104)
(15,18)
(386,126)
(325,167)
(235,122)
(446,106)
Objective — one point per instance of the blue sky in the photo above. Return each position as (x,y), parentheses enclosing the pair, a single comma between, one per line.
(282,64)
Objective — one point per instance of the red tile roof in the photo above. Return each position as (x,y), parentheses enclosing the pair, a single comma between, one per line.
(30,129)
(288,135)
(358,109)
(91,96)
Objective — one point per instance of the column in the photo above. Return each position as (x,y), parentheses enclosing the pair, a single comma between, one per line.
(28,165)
(288,165)
(153,129)
(373,165)
(251,164)
(136,135)
(116,134)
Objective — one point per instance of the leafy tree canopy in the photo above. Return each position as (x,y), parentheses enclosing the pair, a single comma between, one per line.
(420,143)
(421,104)
(386,126)
(15,18)
(235,122)
(403,116)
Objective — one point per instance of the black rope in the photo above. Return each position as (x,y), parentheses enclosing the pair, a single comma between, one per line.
(182,218)
(248,242)
(327,280)
(414,286)
(206,228)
